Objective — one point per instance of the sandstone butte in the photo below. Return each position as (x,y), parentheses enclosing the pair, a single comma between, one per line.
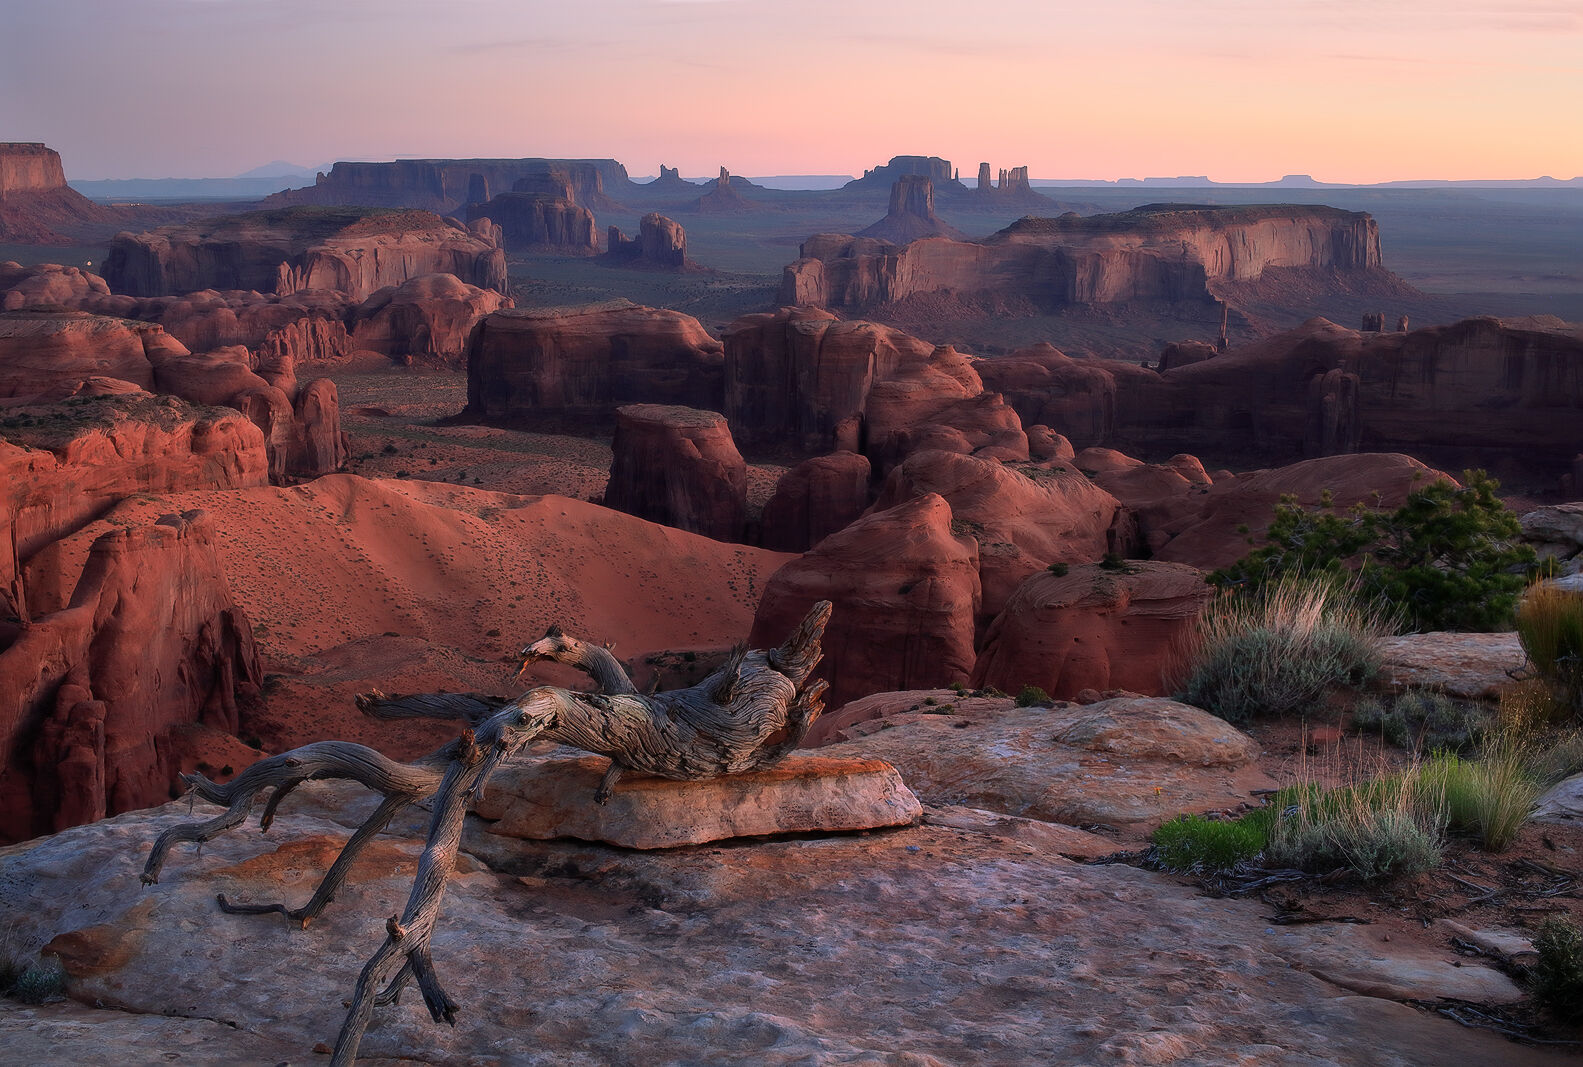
(354,251)
(1163,252)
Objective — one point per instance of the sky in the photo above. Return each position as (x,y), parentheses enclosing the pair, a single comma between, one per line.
(1239,90)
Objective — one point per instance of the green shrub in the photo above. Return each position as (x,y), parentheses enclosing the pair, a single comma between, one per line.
(1557,977)
(1448,559)
(1489,798)
(1422,720)
(1031,695)
(1194,843)
(1550,626)
(41,982)
(1278,651)
(1376,830)
(1060,570)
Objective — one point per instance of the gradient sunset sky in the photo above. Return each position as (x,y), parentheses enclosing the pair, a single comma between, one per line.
(1238,90)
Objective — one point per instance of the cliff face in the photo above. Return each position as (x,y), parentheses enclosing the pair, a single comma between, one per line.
(1161,252)
(573,368)
(443,185)
(353,252)
(539,222)
(27,167)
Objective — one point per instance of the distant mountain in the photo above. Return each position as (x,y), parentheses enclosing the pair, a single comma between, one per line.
(281,169)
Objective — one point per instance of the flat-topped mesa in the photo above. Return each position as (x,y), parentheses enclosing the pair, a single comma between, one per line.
(29,167)
(937,170)
(353,251)
(444,185)
(911,214)
(1161,252)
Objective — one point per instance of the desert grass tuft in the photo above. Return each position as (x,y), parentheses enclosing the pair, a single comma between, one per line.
(1192,843)
(1550,626)
(1376,829)
(1278,652)
(1489,798)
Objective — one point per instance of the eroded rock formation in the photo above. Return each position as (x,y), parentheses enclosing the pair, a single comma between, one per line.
(884,176)
(150,643)
(678,466)
(911,214)
(815,499)
(353,251)
(429,319)
(661,244)
(573,368)
(540,222)
(722,197)
(1163,252)
(443,185)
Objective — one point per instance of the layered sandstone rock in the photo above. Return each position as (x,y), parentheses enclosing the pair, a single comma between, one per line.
(1077,398)
(150,642)
(911,214)
(678,467)
(905,588)
(815,499)
(47,284)
(1024,518)
(1162,252)
(1476,391)
(572,367)
(540,222)
(1012,190)
(428,318)
(35,201)
(800,377)
(1094,628)
(939,403)
(661,244)
(351,251)
(40,350)
(1211,530)
(444,185)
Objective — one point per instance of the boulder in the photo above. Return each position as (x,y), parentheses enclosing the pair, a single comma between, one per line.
(569,369)
(1468,666)
(678,467)
(905,588)
(549,797)
(1094,628)
(1129,763)
(815,499)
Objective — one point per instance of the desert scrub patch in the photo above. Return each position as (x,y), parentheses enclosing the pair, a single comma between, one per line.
(36,983)
(1550,627)
(1489,798)
(1556,979)
(1376,829)
(1278,651)
(1030,695)
(1194,844)
(1421,720)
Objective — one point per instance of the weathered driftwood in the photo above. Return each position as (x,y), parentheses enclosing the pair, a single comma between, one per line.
(749,713)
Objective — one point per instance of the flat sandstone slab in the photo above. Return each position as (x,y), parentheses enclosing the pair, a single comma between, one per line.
(553,797)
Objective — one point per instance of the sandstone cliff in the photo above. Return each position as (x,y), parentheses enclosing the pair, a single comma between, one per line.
(1161,252)
(572,367)
(540,222)
(679,467)
(350,251)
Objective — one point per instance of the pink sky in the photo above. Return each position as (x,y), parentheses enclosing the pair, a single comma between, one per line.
(1238,90)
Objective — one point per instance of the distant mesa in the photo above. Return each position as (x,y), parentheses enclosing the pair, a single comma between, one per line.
(937,170)
(1161,252)
(722,197)
(445,185)
(911,214)
(670,180)
(353,251)
(35,200)
(661,244)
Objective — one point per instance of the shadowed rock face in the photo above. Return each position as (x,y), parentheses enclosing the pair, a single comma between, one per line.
(911,214)
(661,244)
(905,589)
(572,367)
(1158,253)
(678,467)
(815,499)
(1094,628)
(90,695)
(348,250)
(540,222)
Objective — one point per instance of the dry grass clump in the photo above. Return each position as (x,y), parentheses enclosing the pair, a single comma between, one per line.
(1377,829)
(1550,626)
(1279,651)
(1489,798)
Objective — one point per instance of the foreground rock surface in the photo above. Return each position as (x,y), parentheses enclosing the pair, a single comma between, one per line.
(552,797)
(929,945)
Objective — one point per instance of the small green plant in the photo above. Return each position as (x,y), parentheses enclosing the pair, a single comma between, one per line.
(40,982)
(1279,651)
(1377,830)
(1192,843)
(1550,627)
(1060,570)
(1031,695)
(1112,561)
(958,688)
(1557,977)
(1421,720)
(1449,558)
(1489,798)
